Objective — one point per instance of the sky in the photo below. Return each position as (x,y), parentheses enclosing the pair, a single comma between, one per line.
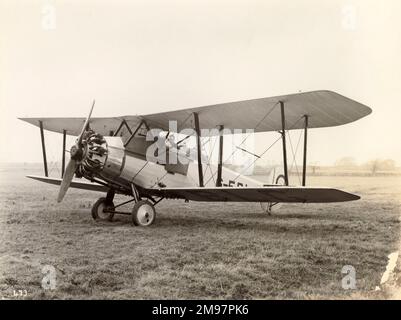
(140,57)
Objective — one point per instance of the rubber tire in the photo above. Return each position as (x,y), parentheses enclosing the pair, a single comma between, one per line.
(281,176)
(95,209)
(135,219)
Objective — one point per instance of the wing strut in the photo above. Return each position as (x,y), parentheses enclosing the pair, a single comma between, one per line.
(220,163)
(63,154)
(305,149)
(134,133)
(42,137)
(284,142)
(123,123)
(198,145)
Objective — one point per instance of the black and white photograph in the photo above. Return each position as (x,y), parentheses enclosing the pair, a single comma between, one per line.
(225,151)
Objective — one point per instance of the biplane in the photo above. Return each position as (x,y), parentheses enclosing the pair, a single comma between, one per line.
(112,154)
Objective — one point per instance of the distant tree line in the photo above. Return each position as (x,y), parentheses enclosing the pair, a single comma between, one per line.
(373,166)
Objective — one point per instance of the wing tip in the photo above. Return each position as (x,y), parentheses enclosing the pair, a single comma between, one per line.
(368,110)
(355,197)
(347,196)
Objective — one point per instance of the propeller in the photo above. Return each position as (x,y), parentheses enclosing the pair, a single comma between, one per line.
(76,157)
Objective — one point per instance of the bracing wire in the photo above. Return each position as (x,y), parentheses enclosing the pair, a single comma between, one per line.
(244,140)
(261,155)
(209,158)
(249,134)
(294,155)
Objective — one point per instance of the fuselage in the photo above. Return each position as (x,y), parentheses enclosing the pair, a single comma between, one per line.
(126,165)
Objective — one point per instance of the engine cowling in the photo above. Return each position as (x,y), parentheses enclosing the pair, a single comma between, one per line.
(102,156)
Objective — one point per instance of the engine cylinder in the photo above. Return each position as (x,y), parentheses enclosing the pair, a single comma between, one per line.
(102,156)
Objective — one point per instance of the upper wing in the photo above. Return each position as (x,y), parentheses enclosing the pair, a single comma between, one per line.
(73,126)
(259,194)
(324,108)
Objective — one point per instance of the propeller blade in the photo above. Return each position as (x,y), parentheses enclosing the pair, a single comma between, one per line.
(67,178)
(79,140)
(73,164)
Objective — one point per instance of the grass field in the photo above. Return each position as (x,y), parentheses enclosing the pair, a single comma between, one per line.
(197,250)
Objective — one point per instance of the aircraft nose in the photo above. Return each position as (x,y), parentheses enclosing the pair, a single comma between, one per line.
(76,153)
(96,152)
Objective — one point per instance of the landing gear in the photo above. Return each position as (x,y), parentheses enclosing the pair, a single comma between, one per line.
(270,207)
(103,210)
(143,213)
(267,207)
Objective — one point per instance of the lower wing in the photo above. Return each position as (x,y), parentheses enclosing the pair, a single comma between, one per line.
(74,184)
(259,194)
(232,194)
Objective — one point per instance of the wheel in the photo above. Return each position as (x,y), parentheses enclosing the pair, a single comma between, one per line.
(280,180)
(98,210)
(267,207)
(143,213)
